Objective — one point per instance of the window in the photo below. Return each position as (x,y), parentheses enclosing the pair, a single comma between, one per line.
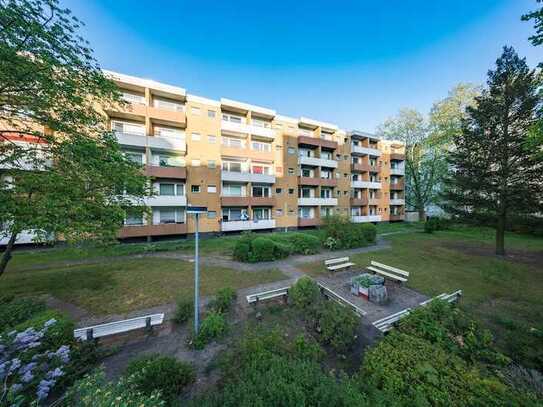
(168,160)
(306,193)
(278,212)
(234,214)
(195,163)
(168,105)
(291,171)
(291,191)
(305,212)
(211,164)
(232,166)
(195,136)
(171,189)
(326,193)
(306,172)
(233,142)
(211,139)
(327,155)
(195,189)
(133,97)
(160,131)
(211,214)
(128,128)
(195,111)
(260,123)
(260,169)
(278,190)
(261,191)
(231,118)
(326,174)
(212,189)
(211,114)
(260,146)
(134,157)
(261,213)
(326,211)
(291,150)
(170,215)
(233,190)
(133,218)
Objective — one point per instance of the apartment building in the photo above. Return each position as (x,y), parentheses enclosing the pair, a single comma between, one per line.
(253,168)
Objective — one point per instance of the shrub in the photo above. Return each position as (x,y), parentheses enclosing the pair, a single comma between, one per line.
(213,326)
(337,325)
(307,349)
(282,250)
(341,233)
(242,250)
(14,311)
(436,224)
(95,391)
(262,249)
(304,293)
(369,230)
(223,300)
(165,374)
(304,243)
(58,334)
(184,310)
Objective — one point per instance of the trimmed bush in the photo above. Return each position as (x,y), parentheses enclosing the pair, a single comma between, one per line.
(341,233)
(282,250)
(304,293)
(435,224)
(369,230)
(153,373)
(337,325)
(262,249)
(213,326)
(223,300)
(242,250)
(14,311)
(301,243)
(184,311)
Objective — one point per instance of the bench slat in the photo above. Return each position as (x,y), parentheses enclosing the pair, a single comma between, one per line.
(340,266)
(338,260)
(117,327)
(390,268)
(384,273)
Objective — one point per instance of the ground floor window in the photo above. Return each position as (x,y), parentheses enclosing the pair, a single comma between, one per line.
(326,211)
(261,213)
(168,215)
(306,212)
(133,218)
(234,214)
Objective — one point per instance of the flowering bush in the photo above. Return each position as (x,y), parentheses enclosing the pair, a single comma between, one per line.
(28,368)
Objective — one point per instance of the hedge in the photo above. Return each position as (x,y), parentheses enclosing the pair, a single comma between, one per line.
(341,233)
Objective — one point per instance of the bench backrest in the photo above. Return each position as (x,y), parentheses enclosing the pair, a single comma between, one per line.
(336,261)
(117,327)
(389,268)
(266,295)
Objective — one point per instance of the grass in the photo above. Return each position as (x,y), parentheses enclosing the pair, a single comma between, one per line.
(506,294)
(124,285)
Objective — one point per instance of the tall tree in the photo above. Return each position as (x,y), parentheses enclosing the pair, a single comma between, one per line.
(537,16)
(61,172)
(494,175)
(423,160)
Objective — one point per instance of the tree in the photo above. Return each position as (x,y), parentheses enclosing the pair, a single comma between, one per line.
(423,160)
(537,16)
(61,172)
(494,175)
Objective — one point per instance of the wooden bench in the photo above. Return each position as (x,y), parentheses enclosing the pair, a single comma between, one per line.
(388,271)
(118,327)
(338,264)
(267,295)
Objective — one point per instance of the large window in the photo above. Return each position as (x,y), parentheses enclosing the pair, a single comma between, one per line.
(168,215)
(260,146)
(231,118)
(306,192)
(131,97)
(326,193)
(261,169)
(128,128)
(326,211)
(133,218)
(326,174)
(134,156)
(304,152)
(168,105)
(234,214)
(233,189)
(305,212)
(307,172)
(171,189)
(161,131)
(168,160)
(261,191)
(233,166)
(261,213)
(233,142)
(261,123)
(327,155)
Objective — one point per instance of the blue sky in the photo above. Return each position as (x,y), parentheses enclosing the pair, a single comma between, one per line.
(353,63)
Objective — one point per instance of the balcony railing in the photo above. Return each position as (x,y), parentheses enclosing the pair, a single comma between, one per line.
(397,202)
(253,224)
(245,128)
(317,201)
(247,177)
(317,162)
(366,184)
(365,150)
(366,218)
(159,143)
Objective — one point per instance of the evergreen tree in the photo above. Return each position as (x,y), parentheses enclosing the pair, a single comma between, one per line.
(494,175)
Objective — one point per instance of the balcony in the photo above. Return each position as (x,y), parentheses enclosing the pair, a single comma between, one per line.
(166,116)
(141,110)
(359,201)
(317,201)
(247,177)
(317,142)
(317,162)
(376,200)
(158,143)
(317,181)
(166,172)
(244,128)
(152,230)
(247,201)
(366,184)
(247,153)
(398,186)
(397,202)
(165,200)
(368,218)
(397,217)
(397,157)
(360,167)
(254,224)
(303,222)
(365,150)
(397,171)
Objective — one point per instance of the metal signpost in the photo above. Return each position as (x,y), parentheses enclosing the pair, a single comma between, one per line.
(196,211)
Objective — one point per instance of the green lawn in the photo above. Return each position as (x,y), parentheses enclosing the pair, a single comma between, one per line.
(125,285)
(506,294)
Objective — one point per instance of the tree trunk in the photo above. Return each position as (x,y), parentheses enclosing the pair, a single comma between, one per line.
(6,256)
(422,214)
(500,236)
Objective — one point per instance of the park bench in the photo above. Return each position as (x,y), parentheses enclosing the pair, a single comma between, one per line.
(118,327)
(331,295)
(388,271)
(267,295)
(338,264)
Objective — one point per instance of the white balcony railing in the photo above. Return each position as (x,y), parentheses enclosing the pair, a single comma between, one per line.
(156,142)
(397,201)
(368,218)
(317,162)
(166,200)
(317,201)
(245,128)
(397,171)
(247,225)
(247,177)
(366,184)
(365,150)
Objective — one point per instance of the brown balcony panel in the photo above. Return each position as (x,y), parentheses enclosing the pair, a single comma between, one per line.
(309,181)
(314,141)
(373,168)
(374,201)
(396,156)
(152,230)
(359,201)
(308,222)
(328,182)
(167,116)
(262,201)
(165,172)
(360,167)
(235,201)
(396,217)
(397,187)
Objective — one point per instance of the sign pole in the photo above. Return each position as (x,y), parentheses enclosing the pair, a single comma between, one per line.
(196,279)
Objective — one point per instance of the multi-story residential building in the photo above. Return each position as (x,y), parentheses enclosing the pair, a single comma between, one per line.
(254,169)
